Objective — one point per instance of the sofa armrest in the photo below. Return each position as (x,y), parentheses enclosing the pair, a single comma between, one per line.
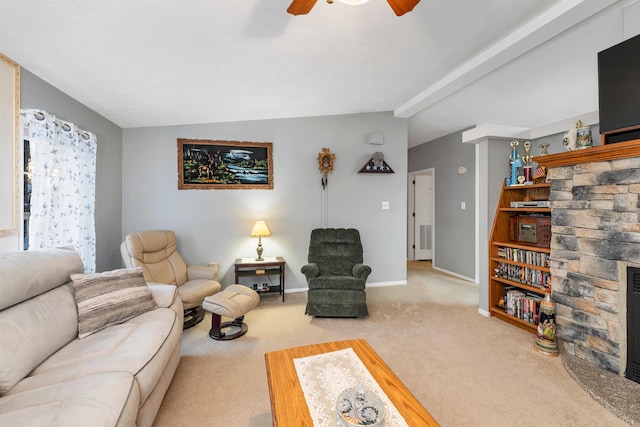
(310,270)
(164,295)
(209,272)
(361,271)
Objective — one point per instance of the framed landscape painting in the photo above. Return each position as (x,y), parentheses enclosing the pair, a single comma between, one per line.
(224,165)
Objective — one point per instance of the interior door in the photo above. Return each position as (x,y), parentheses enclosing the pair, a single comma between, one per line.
(423,223)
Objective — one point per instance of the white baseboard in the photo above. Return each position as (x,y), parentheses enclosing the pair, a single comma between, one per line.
(295,290)
(379,284)
(485,313)
(459,276)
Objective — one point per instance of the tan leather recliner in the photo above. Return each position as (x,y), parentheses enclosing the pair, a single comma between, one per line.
(155,251)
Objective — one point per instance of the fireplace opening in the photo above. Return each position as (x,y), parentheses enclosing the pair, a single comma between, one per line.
(633,324)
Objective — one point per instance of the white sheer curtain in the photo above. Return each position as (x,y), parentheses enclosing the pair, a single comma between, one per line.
(63,164)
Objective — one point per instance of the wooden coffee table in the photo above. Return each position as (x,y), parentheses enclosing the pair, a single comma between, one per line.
(289,407)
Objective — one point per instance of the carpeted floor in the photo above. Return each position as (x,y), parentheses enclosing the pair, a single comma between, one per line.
(466,369)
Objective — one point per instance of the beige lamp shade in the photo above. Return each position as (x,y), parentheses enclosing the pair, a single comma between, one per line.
(260,230)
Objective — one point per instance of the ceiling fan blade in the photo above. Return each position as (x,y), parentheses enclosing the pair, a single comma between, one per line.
(301,7)
(400,7)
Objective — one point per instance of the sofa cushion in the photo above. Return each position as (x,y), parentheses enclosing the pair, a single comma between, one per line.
(336,282)
(33,330)
(193,292)
(107,399)
(110,298)
(24,275)
(141,346)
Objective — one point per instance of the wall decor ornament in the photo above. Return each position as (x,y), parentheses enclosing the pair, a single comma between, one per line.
(569,139)
(376,164)
(578,137)
(224,165)
(325,165)
(546,340)
(583,136)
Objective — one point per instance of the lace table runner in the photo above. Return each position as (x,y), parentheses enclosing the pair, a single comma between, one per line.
(324,376)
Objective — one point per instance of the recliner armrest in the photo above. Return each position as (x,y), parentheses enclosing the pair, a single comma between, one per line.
(164,295)
(361,271)
(310,270)
(209,272)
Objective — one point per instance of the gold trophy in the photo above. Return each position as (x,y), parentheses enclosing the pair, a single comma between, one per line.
(544,149)
(526,160)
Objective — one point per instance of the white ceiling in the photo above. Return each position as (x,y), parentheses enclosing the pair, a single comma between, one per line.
(447,65)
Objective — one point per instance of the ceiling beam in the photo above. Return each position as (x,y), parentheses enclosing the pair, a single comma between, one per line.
(549,24)
(484,131)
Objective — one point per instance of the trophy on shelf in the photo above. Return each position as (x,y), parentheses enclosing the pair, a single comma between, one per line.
(516,162)
(543,147)
(526,159)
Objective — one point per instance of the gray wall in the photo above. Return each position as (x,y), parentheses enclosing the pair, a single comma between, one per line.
(454,247)
(214,225)
(36,93)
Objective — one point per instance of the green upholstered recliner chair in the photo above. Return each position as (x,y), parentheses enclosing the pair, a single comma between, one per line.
(335,274)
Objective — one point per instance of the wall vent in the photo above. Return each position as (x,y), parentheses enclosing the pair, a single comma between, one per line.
(425,237)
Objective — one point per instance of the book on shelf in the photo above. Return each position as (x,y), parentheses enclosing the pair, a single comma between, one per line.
(523,305)
(540,259)
(525,275)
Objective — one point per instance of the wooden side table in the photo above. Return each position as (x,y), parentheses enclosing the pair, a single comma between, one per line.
(270,265)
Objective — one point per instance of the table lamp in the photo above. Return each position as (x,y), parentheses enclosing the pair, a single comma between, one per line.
(260,230)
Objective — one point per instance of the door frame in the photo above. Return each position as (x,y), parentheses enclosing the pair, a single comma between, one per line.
(411,209)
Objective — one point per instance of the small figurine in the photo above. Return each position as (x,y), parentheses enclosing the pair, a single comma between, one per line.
(544,149)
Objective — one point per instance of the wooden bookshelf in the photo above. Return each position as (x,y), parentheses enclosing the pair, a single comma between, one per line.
(516,266)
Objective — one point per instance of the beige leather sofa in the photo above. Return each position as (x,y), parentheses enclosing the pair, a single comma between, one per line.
(49,376)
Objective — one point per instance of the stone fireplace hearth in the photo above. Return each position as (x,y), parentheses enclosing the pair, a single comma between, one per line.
(596,235)
(595,209)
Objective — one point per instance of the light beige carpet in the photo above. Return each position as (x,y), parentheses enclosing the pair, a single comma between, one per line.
(466,369)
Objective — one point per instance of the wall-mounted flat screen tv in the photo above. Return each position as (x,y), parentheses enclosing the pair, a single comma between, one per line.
(619,91)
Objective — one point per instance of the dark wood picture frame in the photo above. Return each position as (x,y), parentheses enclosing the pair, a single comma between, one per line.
(224,165)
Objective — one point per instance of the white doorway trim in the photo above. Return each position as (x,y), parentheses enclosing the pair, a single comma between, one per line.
(411,210)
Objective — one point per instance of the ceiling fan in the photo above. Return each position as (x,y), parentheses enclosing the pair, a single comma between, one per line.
(302,7)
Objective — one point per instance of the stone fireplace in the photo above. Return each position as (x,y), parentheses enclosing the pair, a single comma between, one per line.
(595,205)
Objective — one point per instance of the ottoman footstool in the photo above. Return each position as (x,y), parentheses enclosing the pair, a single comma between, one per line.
(234,302)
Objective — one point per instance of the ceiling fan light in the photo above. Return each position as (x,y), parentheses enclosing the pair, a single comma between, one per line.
(353,2)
